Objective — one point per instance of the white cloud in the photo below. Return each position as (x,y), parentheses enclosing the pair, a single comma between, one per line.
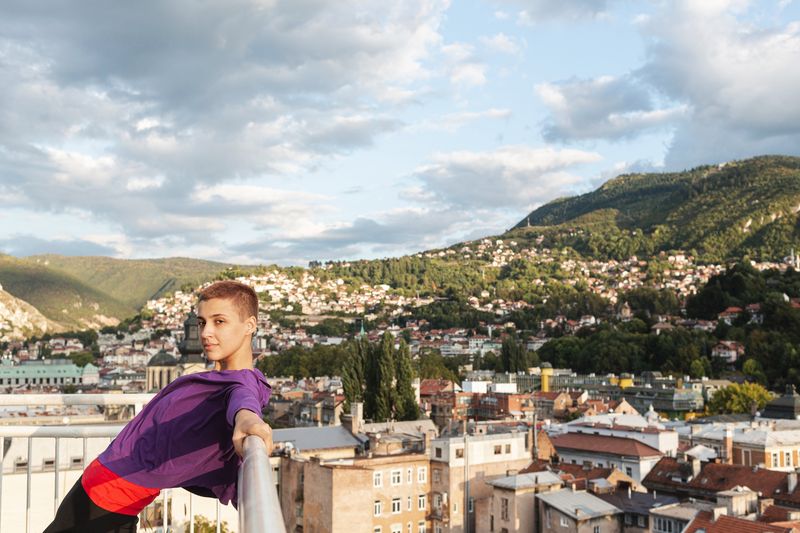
(537,11)
(739,81)
(145,105)
(604,107)
(454,121)
(501,43)
(464,69)
(508,177)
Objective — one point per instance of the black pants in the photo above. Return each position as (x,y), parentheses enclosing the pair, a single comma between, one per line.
(79,514)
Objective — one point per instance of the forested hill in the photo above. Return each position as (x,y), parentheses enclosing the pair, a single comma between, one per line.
(91,292)
(741,208)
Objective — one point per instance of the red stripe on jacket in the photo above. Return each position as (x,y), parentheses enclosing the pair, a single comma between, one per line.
(113,493)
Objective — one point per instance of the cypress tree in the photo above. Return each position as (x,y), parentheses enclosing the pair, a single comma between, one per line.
(354,372)
(406,407)
(372,381)
(384,375)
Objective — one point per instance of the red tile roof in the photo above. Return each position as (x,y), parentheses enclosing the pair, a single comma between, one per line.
(715,477)
(603,444)
(704,521)
(431,387)
(777,513)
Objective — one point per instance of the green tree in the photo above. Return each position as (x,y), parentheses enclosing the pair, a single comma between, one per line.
(697,370)
(354,371)
(384,379)
(204,525)
(82,358)
(406,407)
(736,398)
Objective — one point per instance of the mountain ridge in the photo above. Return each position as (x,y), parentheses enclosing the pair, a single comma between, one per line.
(737,209)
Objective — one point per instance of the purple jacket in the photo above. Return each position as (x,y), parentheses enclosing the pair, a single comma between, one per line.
(182,438)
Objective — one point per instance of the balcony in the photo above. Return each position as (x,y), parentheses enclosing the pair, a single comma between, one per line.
(33,483)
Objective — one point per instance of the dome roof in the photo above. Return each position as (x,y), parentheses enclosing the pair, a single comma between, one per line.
(162,358)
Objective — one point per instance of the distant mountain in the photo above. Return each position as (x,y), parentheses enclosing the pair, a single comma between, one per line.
(60,297)
(92,292)
(728,211)
(133,281)
(19,319)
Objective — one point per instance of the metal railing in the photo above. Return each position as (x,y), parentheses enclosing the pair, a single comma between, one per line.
(259,506)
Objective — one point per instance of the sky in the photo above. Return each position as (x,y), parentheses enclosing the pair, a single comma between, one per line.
(271,131)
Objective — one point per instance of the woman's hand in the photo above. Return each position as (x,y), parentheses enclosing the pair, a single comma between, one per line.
(248,423)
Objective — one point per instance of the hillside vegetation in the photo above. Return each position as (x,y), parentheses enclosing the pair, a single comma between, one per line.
(60,297)
(92,292)
(133,281)
(742,208)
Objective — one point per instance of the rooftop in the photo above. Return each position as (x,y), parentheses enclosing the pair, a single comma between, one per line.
(603,444)
(524,481)
(579,505)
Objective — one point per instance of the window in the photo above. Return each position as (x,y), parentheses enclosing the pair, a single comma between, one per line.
(421,527)
(491,522)
(508,448)
(421,500)
(629,471)
(376,529)
(596,529)
(471,505)
(628,519)
(397,477)
(408,507)
(396,506)
(422,474)
(438,453)
(641,521)
(775,459)
(410,528)
(548,517)
(787,459)
(377,479)
(410,475)
(503,508)
(437,475)
(378,508)
(48,465)
(437,528)
(459,453)
(498,449)
(563,521)
(397,528)
(437,501)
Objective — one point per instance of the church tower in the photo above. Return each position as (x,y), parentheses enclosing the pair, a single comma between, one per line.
(191,347)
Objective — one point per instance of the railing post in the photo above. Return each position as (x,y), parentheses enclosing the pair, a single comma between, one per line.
(259,508)
(2,448)
(28,493)
(56,498)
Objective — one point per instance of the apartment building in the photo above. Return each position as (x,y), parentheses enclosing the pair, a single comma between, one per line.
(378,494)
(512,506)
(486,451)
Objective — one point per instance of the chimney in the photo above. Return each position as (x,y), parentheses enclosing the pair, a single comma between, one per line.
(696,467)
(791,480)
(629,492)
(728,443)
(357,416)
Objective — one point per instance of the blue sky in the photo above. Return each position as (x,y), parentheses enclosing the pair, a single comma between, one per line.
(284,131)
